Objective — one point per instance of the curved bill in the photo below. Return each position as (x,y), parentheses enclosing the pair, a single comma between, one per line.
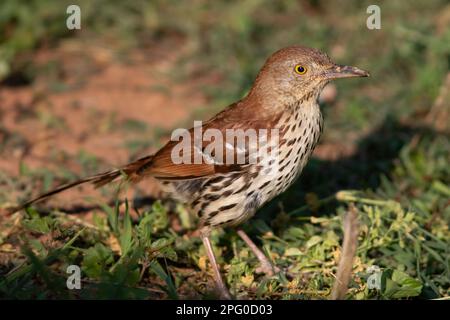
(339,71)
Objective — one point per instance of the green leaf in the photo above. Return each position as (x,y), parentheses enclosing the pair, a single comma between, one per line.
(160,243)
(144,231)
(126,234)
(159,271)
(314,240)
(38,224)
(401,285)
(292,252)
(169,253)
(96,260)
(113,215)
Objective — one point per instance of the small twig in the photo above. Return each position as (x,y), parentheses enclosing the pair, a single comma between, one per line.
(349,247)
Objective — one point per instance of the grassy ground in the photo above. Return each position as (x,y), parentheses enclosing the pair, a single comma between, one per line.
(385,149)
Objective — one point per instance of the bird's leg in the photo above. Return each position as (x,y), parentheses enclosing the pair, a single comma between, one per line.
(266,265)
(217,277)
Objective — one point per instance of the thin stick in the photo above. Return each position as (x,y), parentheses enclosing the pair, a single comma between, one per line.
(349,247)
(266,265)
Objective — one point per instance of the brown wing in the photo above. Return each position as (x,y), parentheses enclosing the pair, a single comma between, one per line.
(162,167)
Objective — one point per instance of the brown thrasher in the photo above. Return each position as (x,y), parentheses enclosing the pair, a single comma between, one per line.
(283,97)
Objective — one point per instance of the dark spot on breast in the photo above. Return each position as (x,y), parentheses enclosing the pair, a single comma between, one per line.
(216,188)
(227,193)
(195,202)
(227,221)
(308,146)
(284,166)
(245,186)
(232,177)
(289,153)
(213,214)
(264,184)
(216,179)
(204,205)
(227,207)
(212,197)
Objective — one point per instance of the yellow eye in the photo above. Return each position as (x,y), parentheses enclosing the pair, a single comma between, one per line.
(300,69)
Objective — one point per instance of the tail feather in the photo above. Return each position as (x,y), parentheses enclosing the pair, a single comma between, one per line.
(128,173)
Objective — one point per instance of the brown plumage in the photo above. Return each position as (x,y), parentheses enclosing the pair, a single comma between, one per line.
(283,97)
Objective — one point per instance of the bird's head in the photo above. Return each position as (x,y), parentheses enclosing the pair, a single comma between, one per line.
(298,73)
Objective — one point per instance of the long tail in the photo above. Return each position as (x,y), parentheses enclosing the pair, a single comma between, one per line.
(129,172)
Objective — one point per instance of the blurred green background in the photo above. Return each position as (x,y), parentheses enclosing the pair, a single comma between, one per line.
(385,139)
